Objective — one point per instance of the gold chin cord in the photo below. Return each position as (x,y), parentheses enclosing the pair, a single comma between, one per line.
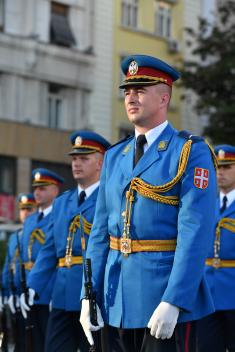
(153,192)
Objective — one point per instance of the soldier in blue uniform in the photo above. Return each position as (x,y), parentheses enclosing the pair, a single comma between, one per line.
(11,270)
(46,185)
(66,243)
(153,221)
(216,331)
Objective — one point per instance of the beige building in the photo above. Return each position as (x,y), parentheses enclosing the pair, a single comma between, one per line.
(55,56)
(154,27)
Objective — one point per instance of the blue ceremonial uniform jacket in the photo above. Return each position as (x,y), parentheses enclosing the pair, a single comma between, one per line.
(222,280)
(32,223)
(12,260)
(129,289)
(68,283)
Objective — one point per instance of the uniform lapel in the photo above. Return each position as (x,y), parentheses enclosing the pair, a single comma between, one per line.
(127,159)
(153,153)
(228,211)
(72,208)
(89,202)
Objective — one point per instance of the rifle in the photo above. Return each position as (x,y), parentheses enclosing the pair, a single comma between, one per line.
(13,290)
(91,296)
(4,330)
(29,346)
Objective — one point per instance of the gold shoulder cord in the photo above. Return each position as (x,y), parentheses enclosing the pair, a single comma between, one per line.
(213,155)
(38,235)
(75,224)
(228,224)
(14,259)
(152,192)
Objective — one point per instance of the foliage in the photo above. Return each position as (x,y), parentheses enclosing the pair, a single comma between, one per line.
(211,73)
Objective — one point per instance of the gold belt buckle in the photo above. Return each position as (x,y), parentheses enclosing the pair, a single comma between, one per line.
(216,263)
(68,260)
(125,246)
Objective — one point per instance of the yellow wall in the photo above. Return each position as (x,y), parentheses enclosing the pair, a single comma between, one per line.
(144,41)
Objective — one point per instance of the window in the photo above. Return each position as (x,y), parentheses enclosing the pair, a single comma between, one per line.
(1,15)
(130,13)
(60,32)
(55,106)
(7,175)
(85,104)
(163,20)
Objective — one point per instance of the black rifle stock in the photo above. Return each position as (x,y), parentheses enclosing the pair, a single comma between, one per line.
(90,295)
(28,324)
(14,294)
(29,345)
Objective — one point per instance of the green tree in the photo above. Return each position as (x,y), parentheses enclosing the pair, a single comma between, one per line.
(211,75)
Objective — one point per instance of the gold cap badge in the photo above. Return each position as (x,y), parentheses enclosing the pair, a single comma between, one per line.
(133,68)
(78,141)
(37,176)
(221,153)
(24,199)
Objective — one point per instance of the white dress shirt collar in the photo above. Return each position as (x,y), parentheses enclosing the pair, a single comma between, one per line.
(152,134)
(45,211)
(89,190)
(230,196)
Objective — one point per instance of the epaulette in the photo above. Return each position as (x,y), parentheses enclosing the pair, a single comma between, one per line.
(187,135)
(121,141)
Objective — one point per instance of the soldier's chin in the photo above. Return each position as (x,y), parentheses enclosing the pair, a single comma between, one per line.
(78,178)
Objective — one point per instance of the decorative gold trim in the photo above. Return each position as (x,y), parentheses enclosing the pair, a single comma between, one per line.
(143,245)
(73,260)
(85,146)
(28,265)
(220,263)
(157,79)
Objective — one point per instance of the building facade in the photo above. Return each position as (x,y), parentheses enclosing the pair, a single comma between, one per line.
(148,27)
(157,28)
(55,58)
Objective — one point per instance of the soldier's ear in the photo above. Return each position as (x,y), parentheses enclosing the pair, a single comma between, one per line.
(165,99)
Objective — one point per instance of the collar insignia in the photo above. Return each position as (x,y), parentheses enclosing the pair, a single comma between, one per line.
(162,145)
(126,149)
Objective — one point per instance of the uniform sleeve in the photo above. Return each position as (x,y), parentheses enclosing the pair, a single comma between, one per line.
(98,245)
(195,230)
(45,264)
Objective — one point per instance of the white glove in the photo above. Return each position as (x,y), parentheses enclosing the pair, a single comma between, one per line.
(11,304)
(23,305)
(86,322)
(163,321)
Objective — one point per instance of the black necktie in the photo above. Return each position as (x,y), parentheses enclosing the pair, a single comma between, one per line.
(224,205)
(139,150)
(40,216)
(82,197)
